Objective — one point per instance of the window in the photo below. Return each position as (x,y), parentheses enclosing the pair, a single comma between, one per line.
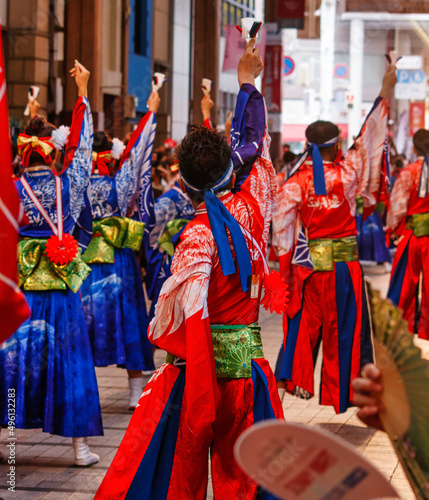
(234,10)
(140,27)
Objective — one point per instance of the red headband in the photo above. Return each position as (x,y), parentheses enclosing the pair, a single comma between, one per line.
(102,161)
(42,145)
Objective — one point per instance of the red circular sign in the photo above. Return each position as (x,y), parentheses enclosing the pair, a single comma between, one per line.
(288,65)
(341,70)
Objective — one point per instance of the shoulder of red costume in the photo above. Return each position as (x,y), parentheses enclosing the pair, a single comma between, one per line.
(196,232)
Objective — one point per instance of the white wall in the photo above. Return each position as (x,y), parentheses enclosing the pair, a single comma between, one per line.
(181,68)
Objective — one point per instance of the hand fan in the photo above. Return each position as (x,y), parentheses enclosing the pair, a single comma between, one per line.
(33,93)
(250,28)
(157,80)
(299,462)
(405,394)
(206,86)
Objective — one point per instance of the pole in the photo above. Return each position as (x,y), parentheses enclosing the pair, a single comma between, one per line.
(357,42)
(327,48)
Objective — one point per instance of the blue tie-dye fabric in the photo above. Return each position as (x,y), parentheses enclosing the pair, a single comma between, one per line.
(48,364)
(115,312)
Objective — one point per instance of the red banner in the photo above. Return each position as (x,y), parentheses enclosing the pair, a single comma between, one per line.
(272,80)
(13,307)
(290,13)
(234,46)
(417,116)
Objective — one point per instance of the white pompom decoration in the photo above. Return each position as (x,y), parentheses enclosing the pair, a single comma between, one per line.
(118,148)
(60,137)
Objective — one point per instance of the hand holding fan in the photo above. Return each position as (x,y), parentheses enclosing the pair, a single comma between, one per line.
(206,86)
(33,93)
(297,462)
(157,81)
(405,378)
(249,28)
(392,57)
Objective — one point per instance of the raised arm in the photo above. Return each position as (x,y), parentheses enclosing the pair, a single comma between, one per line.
(249,125)
(136,163)
(206,107)
(399,199)
(250,142)
(362,168)
(78,152)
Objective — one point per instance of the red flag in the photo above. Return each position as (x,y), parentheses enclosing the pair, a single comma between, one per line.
(13,306)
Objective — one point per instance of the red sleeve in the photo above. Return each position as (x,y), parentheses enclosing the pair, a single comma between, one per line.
(75,132)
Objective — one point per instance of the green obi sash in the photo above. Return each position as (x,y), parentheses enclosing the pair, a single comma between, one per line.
(234,348)
(419,223)
(171,228)
(111,233)
(325,252)
(37,272)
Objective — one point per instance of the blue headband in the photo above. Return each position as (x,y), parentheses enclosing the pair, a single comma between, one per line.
(220,218)
(318,172)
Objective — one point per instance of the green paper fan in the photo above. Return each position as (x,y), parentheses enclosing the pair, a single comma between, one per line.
(405,394)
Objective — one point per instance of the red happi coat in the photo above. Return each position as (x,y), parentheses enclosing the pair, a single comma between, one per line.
(411,263)
(404,199)
(327,305)
(359,173)
(198,294)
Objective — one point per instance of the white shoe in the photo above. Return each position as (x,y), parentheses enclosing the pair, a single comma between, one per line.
(387,267)
(146,373)
(83,456)
(136,389)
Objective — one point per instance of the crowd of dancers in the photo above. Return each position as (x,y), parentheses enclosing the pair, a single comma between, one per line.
(198,221)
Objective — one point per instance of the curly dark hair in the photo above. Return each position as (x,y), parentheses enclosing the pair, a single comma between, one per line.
(38,127)
(320,131)
(421,142)
(102,141)
(203,157)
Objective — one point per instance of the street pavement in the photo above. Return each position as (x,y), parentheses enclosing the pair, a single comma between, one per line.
(44,463)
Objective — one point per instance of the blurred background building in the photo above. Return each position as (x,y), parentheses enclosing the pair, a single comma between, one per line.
(323,59)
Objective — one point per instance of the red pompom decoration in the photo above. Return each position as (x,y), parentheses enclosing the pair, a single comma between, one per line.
(63,251)
(276,293)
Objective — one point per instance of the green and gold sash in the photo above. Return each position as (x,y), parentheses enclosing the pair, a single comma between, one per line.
(111,233)
(171,228)
(37,272)
(325,252)
(234,348)
(419,223)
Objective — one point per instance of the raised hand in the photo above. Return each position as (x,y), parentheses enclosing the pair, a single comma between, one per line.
(153,102)
(81,76)
(206,106)
(250,64)
(34,107)
(389,81)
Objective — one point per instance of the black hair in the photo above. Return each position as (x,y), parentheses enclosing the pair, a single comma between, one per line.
(102,142)
(289,157)
(321,131)
(39,127)
(421,142)
(203,157)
